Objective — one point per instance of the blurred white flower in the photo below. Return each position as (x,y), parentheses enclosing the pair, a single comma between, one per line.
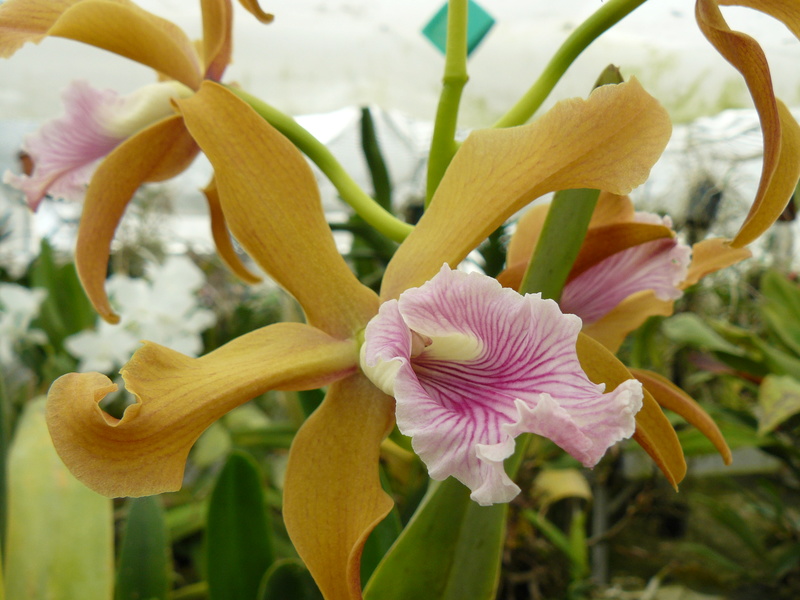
(162,308)
(18,307)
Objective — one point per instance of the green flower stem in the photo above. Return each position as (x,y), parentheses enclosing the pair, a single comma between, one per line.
(559,244)
(606,17)
(361,202)
(443,144)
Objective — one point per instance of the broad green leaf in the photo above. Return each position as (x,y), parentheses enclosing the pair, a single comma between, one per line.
(60,543)
(737,435)
(238,534)
(778,400)
(144,561)
(691,330)
(782,308)
(288,579)
(450,550)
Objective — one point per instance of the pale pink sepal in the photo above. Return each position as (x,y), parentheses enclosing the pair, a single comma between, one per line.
(472,365)
(660,265)
(66,150)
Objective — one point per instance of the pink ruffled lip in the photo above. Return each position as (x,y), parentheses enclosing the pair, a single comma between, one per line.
(66,150)
(498,364)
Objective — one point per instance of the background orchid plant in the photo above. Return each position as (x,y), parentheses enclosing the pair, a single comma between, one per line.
(469,367)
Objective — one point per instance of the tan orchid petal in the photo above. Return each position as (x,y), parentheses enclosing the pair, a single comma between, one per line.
(783,10)
(155,153)
(217,38)
(768,206)
(24,21)
(653,431)
(609,141)
(670,396)
(254,9)
(612,209)
(178,398)
(526,235)
(612,329)
(332,496)
(222,239)
(272,205)
(709,256)
(781,164)
(125,29)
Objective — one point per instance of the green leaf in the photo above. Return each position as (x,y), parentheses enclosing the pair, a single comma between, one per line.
(381,538)
(66,309)
(238,534)
(778,399)
(60,543)
(690,330)
(289,579)
(144,560)
(450,550)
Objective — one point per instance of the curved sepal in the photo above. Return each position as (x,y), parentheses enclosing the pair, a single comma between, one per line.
(158,152)
(222,239)
(653,431)
(670,396)
(609,142)
(332,497)
(123,28)
(177,399)
(24,21)
(272,205)
(217,38)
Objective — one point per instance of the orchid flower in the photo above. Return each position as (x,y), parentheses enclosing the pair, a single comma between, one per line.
(631,267)
(136,139)
(272,204)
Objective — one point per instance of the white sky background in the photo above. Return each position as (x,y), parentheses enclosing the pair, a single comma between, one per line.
(321,55)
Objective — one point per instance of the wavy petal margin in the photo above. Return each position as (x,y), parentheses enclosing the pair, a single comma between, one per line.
(272,205)
(609,141)
(156,153)
(177,399)
(332,496)
(781,165)
(653,430)
(710,256)
(253,7)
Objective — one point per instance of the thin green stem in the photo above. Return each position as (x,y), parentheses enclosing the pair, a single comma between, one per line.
(606,17)
(560,242)
(443,144)
(361,202)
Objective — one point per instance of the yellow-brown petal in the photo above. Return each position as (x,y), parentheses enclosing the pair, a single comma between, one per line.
(769,205)
(673,398)
(24,21)
(156,153)
(781,163)
(710,256)
(783,10)
(125,29)
(609,141)
(332,497)
(254,9)
(273,208)
(222,239)
(627,316)
(611,209)
(217,39)
(178,398)
(653,431)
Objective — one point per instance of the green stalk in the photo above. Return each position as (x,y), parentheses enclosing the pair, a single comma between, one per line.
(443,144)
(559,243)
(608,15)
(361,202)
